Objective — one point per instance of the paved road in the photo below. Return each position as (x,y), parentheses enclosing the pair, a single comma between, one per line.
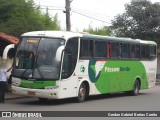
(148,100)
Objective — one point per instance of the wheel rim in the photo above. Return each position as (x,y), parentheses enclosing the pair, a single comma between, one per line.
(82,93)
(136,88)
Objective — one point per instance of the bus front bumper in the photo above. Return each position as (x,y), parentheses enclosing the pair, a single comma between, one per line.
(38,93)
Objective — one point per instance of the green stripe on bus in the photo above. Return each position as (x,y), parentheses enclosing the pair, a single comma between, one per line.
(37,84)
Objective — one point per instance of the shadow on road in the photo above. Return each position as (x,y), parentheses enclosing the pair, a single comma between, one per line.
(112,95)
(35,101)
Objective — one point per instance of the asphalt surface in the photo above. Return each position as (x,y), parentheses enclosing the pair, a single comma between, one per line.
(148,100)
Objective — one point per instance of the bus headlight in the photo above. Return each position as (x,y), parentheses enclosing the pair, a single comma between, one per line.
(15,84)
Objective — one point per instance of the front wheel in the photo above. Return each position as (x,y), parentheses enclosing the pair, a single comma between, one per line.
(82,93)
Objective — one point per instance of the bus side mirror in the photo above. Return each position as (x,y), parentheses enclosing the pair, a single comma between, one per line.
(6,50)
(59,53)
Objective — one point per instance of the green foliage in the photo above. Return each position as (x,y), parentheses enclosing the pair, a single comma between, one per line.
(140,20)
(19,16)
(98,31)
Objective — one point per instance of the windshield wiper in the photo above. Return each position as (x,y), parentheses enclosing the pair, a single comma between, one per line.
(22,75)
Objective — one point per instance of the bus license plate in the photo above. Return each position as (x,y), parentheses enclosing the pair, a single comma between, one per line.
(31,93)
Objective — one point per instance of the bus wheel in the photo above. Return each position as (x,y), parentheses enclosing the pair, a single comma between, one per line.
(82,93)
(136,88)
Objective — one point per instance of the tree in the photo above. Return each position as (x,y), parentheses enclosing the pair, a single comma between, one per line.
(51,23)
(19,16)
(98,31)
(141,20)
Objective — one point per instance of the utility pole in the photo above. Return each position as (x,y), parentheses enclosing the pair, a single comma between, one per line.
(68,9)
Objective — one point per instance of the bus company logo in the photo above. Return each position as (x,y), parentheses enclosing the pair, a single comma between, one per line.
(117,69)
(110,69)
(82,69)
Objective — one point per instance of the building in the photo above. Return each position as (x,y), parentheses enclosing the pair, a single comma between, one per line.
(5,40)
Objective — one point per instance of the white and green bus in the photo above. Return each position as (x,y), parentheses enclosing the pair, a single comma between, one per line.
(58,64)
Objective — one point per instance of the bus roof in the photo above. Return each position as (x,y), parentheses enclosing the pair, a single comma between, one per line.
(118,39)
(67,34)
(58,34)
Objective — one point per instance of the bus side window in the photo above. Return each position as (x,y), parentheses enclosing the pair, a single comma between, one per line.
(86,50)
(114,50)
(152,52)
(145,51)
(108,50)
(137,51)
(103,49)
(125,51)
(120,50)
(133,51)
(100,49)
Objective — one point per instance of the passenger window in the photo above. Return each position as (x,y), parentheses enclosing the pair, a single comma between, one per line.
(145,52)
(86,50)
(137,51)
(114,50)
(152,52)
(108,50)
(133,51)
(100,49)
(125,51)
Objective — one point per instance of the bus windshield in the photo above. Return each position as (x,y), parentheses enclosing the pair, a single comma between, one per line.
(35,58)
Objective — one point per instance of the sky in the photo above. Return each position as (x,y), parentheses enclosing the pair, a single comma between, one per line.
(85,13)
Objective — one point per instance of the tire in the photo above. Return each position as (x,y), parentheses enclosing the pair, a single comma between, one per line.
(81,93)
(136,88)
